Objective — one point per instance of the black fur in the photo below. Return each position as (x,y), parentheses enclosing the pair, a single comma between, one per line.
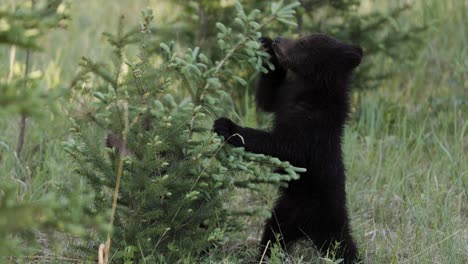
(308,94)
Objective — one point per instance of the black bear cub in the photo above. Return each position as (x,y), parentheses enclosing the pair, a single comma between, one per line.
(308,92)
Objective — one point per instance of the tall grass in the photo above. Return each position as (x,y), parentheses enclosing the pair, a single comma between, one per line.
(406,151)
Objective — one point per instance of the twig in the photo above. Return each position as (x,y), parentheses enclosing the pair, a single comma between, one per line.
(22,123)
(117,183)
(12,63)
(141,251)
(22,126)
(19,146)
(202,26)
(264,252)
(106,249)
(101,254)
(119,52)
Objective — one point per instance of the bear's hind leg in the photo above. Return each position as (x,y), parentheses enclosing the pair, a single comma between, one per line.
(281,228)
(341,243)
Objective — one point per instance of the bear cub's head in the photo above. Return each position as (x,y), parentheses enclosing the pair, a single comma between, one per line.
(317,54)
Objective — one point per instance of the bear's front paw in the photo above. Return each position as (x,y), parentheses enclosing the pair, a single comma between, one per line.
(279,71)
(266,45)
(229,130)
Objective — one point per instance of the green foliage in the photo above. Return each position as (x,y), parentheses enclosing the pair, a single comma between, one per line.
(177,175)
(24,216)
(385,41)
(379,33)
(24,24)
(22,90)
(23,219)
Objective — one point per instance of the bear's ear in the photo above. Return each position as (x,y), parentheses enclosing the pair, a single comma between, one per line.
(352,56)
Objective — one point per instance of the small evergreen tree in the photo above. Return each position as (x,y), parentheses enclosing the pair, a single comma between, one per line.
(168,175)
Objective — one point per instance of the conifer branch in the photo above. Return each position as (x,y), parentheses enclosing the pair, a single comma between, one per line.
(231,53)
(239,45)
(119,53)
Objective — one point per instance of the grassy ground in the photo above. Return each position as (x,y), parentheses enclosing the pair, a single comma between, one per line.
(408,149)
(405,146)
